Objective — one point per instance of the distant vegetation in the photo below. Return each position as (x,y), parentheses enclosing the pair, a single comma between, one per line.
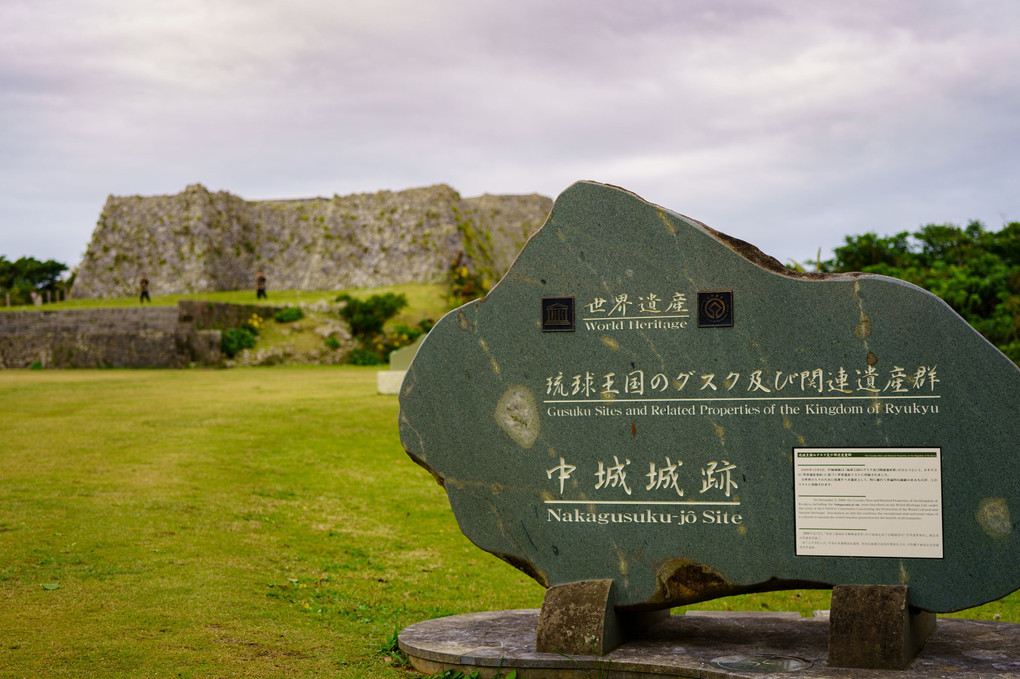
(976,271)
(366,318)
(233,340)
(22,277)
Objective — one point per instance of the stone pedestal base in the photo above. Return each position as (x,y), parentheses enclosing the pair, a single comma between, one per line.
(389,381)
(873,627)
(580,618)
(720,646)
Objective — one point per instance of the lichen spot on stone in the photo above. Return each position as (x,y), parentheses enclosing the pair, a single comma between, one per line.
(863,328)
(993,515)
(666,220)
(485,348)
(682,581)
(517,415)
(742,530)
(872,359)
(610,342)
(407,386)
(463,323)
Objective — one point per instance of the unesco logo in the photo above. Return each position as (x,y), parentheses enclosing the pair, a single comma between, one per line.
(557,314)
(715,309)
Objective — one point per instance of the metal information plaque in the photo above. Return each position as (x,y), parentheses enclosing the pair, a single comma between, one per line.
(881,502)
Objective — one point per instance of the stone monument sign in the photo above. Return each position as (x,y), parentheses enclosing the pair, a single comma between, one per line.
(652,413)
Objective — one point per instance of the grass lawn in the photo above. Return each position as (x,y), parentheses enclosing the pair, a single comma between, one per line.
(233,523)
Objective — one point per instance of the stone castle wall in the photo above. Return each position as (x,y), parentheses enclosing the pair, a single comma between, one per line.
(132,337)
(198,241)
(91,338)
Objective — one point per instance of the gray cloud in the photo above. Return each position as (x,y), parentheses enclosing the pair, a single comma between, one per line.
(788,124)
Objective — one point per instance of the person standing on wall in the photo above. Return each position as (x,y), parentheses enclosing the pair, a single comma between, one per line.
(144,285)
(260,285)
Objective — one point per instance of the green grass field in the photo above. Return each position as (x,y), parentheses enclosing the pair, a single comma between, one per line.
(233,523)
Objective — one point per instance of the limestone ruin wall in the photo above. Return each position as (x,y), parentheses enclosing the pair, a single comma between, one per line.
(131,337)
(200,241)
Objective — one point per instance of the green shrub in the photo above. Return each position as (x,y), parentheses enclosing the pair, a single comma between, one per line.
(407,335)
(234,340)
(362,356)
(367,317)
(289,315)
(254,324)
(466,285)
(332,342)
(401,336)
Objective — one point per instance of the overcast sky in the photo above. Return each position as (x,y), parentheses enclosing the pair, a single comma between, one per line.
(788,123)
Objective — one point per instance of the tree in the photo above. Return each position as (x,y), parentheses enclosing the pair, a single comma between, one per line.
(976,271)
(20,278)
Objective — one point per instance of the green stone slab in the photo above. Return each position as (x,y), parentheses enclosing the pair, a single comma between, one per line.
(400,359)
(712,423)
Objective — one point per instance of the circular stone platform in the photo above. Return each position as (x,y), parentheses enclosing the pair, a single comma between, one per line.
(702,646)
